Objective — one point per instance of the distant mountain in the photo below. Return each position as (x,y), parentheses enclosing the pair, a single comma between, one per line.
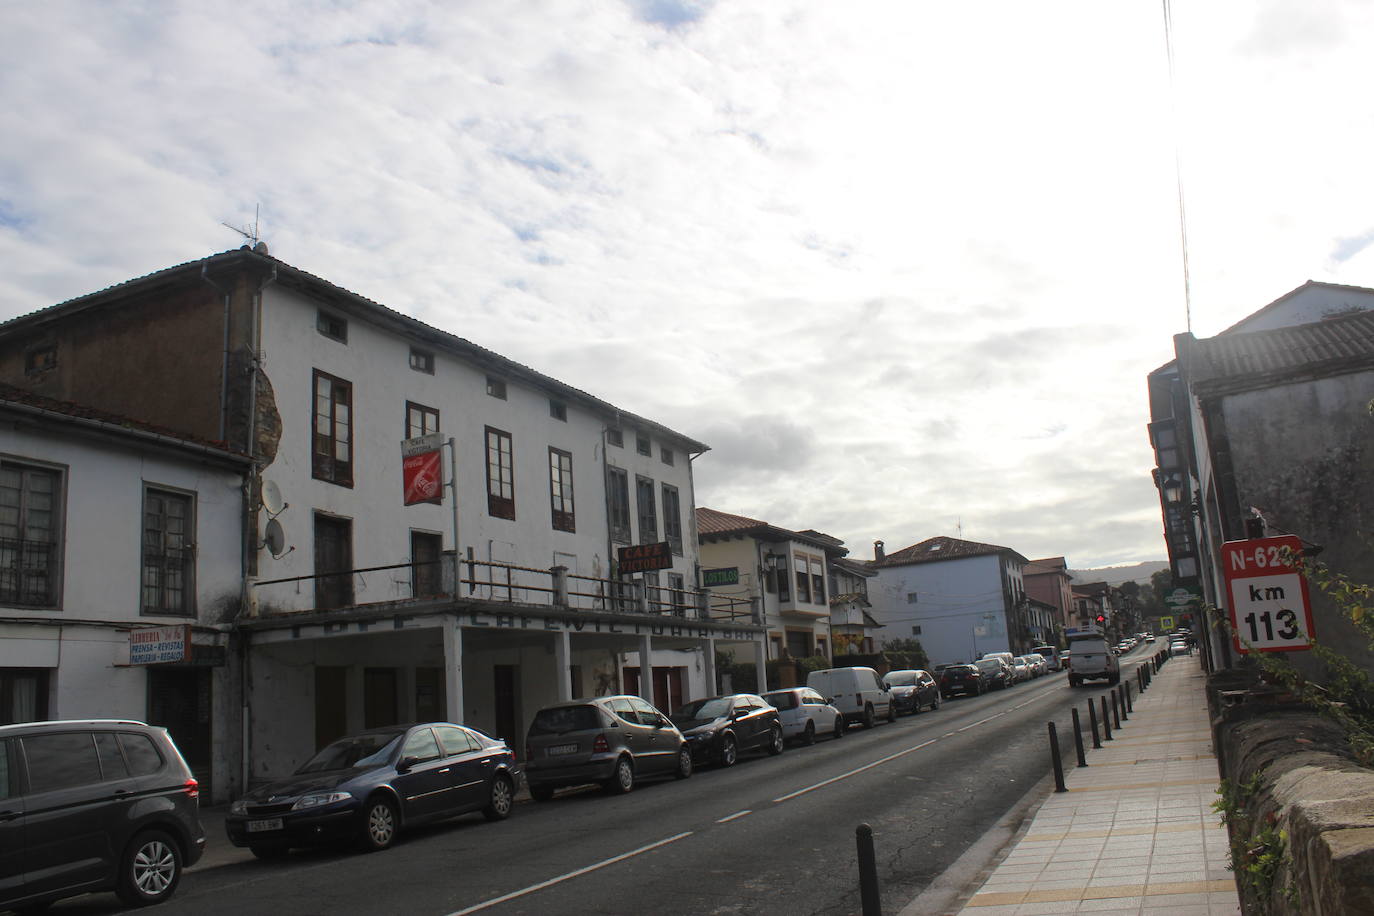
(1115,575)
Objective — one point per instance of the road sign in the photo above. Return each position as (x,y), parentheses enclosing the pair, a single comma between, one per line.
(1270,608)
(1183,598)
(1166,624)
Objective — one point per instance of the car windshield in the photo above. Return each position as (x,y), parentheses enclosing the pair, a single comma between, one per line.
(959,670)
(785,699)
(990,664)
(357,751)
(703,710)
(901,679)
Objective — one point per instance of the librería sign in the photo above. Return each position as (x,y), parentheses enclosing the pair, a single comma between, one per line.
(160,645)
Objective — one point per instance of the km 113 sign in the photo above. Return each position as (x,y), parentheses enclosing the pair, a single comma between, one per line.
(1270,608)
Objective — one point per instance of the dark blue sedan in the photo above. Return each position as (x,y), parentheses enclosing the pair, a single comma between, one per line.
(369,786)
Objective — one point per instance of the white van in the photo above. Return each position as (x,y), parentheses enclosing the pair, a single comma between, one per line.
(858,693)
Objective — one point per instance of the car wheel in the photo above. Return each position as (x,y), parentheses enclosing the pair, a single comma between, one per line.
(684,763)
(150,869)
(729,751)
(379,825)
(839,727)
(809,736)
(1114,680)
(1075,681)
(269,850)
(775,741)
(936,703)
(868,717)
(624,778)
(541,793)
(891,711)
(501,800)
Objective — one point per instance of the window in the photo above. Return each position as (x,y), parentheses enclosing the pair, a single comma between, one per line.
(677,585)
(803,580)
(500,474)
(420,420)
(648,518)
(652,593)
(643,446)
(615,437)
(61,761)
(23,695)
(561,489)
(817,581)
(916,630)
(781,578)
(331,326)
(672,519)
(30,516)
(169,553)
(426,576)
(422,361)
(40,359)
(143,756)
(333,562)
(455,740)
(667,455)
(558,410)
(910,597)
(332,452)
(421,745)
(496,387)
(618,504)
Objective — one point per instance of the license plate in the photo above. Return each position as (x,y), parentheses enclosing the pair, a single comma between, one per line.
(271,823)
(558,750)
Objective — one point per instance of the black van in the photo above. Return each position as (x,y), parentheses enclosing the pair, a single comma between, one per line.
(94,805)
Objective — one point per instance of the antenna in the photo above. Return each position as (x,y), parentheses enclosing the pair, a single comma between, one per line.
(252,236)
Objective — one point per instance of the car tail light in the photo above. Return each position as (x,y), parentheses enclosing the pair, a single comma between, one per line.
(191,787)
(600,745)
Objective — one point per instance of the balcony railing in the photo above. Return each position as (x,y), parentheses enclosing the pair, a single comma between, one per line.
(486,581)
(28,573)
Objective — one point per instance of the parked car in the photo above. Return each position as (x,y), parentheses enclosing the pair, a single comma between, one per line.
(719,729)
(1020,669)
(1149,637)
(367,787)
(94,805)
(1032,669)
(804,714)
(856,692)
(962,680)
(1039,666)
(1050,654)
(1179,647)
(912,689)
(614,741)
(998,673)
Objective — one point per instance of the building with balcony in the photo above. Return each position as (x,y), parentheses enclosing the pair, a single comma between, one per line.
(532,543)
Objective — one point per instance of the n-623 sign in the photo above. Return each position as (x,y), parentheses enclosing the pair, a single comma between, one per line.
(1270,609)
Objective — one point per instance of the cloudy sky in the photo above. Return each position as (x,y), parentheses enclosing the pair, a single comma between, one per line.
(904,265)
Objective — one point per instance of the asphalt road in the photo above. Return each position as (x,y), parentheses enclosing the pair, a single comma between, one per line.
(771,835)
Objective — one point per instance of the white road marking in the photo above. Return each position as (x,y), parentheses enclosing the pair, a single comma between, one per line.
(981,721)
(570,875)
(867,766)
(737,814)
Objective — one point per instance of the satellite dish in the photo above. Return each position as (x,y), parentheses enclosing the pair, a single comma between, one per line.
(274,538)
(271,498)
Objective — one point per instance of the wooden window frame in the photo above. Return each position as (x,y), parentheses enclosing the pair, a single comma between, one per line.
(148,558)
(328,466)
(501,487)
(561,490)
(424,414)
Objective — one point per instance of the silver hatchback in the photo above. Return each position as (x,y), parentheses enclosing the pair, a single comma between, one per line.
(613,741)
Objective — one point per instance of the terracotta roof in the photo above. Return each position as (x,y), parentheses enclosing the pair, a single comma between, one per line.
(935,549)
(1046,567)
(107,421)
(712,521)
(294,277)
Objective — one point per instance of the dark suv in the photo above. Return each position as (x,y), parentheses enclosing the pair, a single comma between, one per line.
(94,806)
(614,741)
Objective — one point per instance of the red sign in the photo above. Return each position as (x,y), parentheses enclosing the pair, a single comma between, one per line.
(1269,605)
(645,558)
(423,478)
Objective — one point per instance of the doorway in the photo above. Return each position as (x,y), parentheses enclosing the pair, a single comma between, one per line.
(179,700)
(506,679)
(331,703)
(380,697)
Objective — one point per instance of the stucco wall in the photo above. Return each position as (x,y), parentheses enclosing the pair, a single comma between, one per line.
(953,597)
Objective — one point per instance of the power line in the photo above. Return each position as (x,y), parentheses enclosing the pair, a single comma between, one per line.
(1178,165)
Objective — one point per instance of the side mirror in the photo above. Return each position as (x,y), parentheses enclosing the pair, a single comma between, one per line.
(407,764)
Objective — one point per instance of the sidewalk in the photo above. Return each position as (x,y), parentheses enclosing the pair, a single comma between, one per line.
(1135,832)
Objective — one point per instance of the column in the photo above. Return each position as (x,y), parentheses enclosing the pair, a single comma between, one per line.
(562,658)
(453,669)
(709,647)
(646,667)
(761,661)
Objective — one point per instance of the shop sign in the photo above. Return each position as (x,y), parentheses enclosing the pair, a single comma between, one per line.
(645,558)
(160,645)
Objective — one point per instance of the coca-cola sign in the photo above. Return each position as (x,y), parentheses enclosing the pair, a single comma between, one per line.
(421,470)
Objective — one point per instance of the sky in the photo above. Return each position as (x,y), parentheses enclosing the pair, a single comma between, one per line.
(903,265)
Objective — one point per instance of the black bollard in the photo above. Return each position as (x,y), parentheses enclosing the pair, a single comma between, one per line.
(1116,711)
(1130,707)
(1078,738)
(1054,759)
(1106,720)
(1092,723)
(868,872)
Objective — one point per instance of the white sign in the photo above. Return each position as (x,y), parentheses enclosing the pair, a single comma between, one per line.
(1268,612)
(429,442)
(159,645)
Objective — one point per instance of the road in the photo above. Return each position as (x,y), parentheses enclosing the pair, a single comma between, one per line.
(771,835)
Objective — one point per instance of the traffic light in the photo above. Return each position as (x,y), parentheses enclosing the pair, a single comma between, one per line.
(1101,618)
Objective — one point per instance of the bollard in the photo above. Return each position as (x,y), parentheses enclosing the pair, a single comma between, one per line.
(868,872)
(1092,722)
(1106,720)
(1121,702)
(1078,738)
(1116,711)
(1055,759)
(1130,707)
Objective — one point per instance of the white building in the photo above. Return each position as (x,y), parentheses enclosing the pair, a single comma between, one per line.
(961,599)
(111,530)
(352,618)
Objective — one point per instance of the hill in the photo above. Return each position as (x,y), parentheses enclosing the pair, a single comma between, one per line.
(1115,575)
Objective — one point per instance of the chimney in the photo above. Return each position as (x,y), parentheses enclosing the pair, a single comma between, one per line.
(877,551)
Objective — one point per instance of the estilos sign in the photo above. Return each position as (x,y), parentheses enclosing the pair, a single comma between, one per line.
(1270,608)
